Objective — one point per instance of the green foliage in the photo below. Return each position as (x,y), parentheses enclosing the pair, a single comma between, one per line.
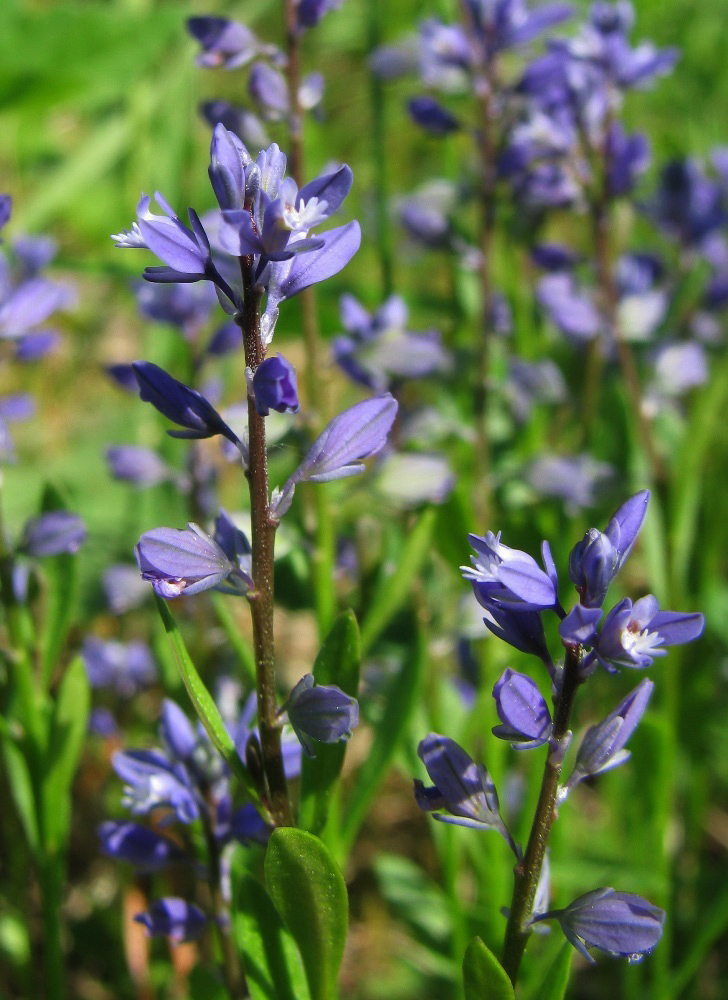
(273,965)
(309,892)
(557,980)
(484,978)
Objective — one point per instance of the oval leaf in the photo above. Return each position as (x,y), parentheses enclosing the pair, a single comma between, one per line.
(309,892)
(484,978)
(273,965)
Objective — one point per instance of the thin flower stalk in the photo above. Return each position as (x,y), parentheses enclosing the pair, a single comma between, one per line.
(263,529)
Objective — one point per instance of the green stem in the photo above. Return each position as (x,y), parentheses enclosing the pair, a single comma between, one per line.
(51,870)
(528,871)
(263,530)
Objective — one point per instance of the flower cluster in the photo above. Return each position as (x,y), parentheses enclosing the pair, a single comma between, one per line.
(515,593)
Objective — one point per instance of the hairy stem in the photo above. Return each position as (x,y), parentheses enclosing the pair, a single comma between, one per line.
(263,531)
(527,872)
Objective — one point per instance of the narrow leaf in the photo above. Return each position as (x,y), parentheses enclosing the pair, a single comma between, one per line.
(61,574)
(309,892)
(273,964)
(484,978)
(394,589)
(67,735)
(204,705)
(337,663)
(557,978)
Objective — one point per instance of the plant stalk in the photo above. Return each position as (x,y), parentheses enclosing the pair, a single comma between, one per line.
(528,871)
(263,530)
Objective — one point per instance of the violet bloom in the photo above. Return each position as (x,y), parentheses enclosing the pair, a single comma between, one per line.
(357,433)
(154,782)
(506,24)
(524,714)
(180,404)
(173,918)
(53,533)
(123,667)
(184,562)
(633,635)
(320,713)
(521,629)
(568,308)
(378,349)
(462,788)
(224,42)
(596,559)
(508,578)
(431,116)
(619,923)
(268,90)
(246,125)
(602,747)
(186,306)
(310,12)
(146,850)
(139,466)
(275,386)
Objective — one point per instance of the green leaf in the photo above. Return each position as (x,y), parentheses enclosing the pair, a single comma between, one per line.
(21,788)
(205,706)
(337,663)
(67,733)
(309,892)
(484,978)
(205,984)
(399,700)
(239,645)
(394,589)
(61,575)
(273,964)
(557,979)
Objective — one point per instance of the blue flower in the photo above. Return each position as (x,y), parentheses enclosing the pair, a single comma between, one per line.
(275,386)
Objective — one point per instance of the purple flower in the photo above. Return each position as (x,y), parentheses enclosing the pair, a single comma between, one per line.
(28,304)
(508,578)
(124,667)
(462,788)
(224,43)
(275,386)
(568,309)
(579,628)
(602,747)
(572,478)
(52,534)
(138,466)
(431,116)
(521,629)
(146,850)
(310,12)
(627,157)
(379,349)
(182,562)
(357,433)
(185,306)
(6,208)
(596,559)
(633,635)
(36,345)
(247,126)
(505,24)
(180,404)
(269,91)
(619,923)
(153,781)
(524,714)
(321,713)
(173,918)
(688,205)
